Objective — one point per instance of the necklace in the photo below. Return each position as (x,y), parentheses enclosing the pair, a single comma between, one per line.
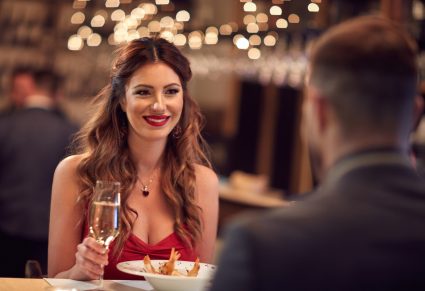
(145,188)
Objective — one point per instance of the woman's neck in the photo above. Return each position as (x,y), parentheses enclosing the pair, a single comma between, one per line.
(146,154)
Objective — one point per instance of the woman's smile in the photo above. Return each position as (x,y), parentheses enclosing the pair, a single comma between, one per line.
(157,120)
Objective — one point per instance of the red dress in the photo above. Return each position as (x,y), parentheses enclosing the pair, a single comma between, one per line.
(136,249)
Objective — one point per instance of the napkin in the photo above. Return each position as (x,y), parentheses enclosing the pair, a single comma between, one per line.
(121,285)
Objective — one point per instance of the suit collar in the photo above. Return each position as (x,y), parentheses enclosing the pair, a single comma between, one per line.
(366,158)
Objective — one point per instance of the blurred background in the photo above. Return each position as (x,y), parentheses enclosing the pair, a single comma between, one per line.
(248,58)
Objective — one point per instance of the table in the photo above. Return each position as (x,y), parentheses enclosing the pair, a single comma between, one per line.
(234,201)
(19,284)
(23,284)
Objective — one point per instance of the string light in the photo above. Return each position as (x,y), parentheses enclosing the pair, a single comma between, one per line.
(167,22)
(97,21)
(131,22)
(118,15)
(254,53)
(293,18)
(138,13)
(211,30)
(250,7)
(249,18)
(111,39)
(154,26)
(254,40)
(130,26)
(183,16)
(168,35)
(252,28)
(120,35)
(269,40)
(242,43)
(236,38)
(179,39)
(225,29)
(94,39)
(281,23)
(75,43)
(112,3)
(84,31)
(262,18)
(313,7)
(150,9)
(275,10)
(143,31)
(79,4)
(195,40)
(78,18)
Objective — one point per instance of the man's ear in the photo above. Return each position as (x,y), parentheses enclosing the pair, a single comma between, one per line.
(321,111)
(418,110)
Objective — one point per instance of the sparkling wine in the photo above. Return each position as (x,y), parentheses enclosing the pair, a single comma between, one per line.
(104,221)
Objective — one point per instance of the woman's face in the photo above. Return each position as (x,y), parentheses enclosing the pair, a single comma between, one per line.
(153,102)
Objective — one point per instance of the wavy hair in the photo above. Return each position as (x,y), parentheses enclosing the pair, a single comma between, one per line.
(103,142)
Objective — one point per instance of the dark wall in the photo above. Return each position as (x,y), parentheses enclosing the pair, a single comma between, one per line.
(289,99)
(243,148)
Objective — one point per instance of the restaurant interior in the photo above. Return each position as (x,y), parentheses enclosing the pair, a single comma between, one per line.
(249,61)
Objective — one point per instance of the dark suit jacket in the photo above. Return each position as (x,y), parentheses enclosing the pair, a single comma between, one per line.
(363,229)
(32,142)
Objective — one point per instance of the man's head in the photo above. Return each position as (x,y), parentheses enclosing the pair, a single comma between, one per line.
(22,85)
(26,82)
(362,82)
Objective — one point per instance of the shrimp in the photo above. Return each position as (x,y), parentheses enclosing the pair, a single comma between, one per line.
(148,265)
(168,267)
(195,269)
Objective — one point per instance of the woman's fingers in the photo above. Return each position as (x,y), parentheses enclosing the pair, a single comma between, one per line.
(91,269)
(94,245)
(90,258)
(92,254)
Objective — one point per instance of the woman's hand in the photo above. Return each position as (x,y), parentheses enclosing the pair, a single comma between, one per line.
(90,259)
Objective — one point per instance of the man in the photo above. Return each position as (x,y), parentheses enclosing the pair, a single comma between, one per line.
(364,227)
(33,139)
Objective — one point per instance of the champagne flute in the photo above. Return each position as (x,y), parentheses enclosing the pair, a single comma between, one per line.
(104,216)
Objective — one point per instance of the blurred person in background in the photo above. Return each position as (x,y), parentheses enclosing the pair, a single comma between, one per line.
(22,85)
(145,134)
(34,137)
(363,228)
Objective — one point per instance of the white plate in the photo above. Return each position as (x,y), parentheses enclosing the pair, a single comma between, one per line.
(171,283)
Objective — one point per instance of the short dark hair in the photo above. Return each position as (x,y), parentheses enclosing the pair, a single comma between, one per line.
(45,79)
(367,68)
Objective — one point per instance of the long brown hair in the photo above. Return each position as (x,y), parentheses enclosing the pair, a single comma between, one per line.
(103,142)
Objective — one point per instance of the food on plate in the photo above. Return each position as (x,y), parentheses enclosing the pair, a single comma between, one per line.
(168,268)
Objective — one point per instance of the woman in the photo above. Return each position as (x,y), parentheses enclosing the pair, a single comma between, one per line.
(146,135)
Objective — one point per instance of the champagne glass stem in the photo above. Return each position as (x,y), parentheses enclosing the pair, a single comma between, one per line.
(106,245)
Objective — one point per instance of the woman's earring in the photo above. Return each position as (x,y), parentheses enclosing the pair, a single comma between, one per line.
(177,132)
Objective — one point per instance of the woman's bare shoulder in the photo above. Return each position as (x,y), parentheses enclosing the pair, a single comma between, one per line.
(66,171)
(69,164)
(203,172)
(206,179)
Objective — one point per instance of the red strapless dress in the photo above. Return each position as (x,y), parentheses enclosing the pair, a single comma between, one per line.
(136,249)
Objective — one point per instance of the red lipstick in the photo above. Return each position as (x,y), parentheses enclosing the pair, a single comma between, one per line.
(156,120)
